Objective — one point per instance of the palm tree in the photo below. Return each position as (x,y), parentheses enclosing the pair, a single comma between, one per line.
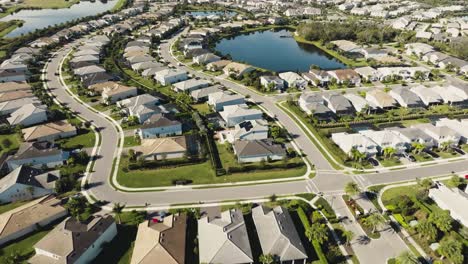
(266,259)
(418,147)
(442,220)
(117,210)
(351,189)
(374,220)
(451,249)
(389,152)
(348,236)
(407,258)
(356,155)
(317,232)
(444,146)
(426,229)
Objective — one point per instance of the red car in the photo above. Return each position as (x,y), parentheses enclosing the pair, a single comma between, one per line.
(466,176)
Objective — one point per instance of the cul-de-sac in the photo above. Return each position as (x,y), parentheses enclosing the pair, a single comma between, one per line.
(234,131)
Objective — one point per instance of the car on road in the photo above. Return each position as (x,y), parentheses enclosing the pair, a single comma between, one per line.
(432,153)
(466,176)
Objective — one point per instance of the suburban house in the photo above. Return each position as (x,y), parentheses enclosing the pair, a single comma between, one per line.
(96,78)
(449,94)
(427,96)
(88,70)
(248,130)
(190,85)
(348,142)
(8,107)
(418,49)
(28,115)
(413,135)
(14,95)
(73,241)
(360,104)
(440,134)
(258,150)
(205,58)
(293,80)
(380,99)
(452,199)
(224,239)
(163,148)
(170,76)
(461,127)
(217,65)
(386,139)
(345,75)
(25,183)
(12,76)
(313,104)
(405,97)
(161,241)
(219,100)
(25,219)
(322,77)
(160,125)
(278,235)
(367,73)
(203,94)
(235,114)
(37,154)
(272,82)
(238,69)
(110,95)
(338,104)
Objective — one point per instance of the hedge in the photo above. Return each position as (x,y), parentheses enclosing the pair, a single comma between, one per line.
(328,211)
(400,220)
(315,243)
(252,167)
(164,163)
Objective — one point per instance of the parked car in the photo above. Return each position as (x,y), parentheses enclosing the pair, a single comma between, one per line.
(466,176)
(373,161)
(458,150)
(432,153)
(411,158)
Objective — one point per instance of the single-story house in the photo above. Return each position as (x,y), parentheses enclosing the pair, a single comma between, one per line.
(237,69)
(28,115)
(11,106)
(461,127)
(202,94)
(386,139)
(235,114)
(190,85)
(160,125)
(346,75)
(338,104)
(115,93)
(428,96)
(440,134)
(293,80)
(163,148)
(37,154)
(452,199)
(381,99)
(360,104)
(170,76)
(49,131)
(217,65)
(73,241)
(219,100)
(348,142)
(413,135)
(405,97)
(367,73)
(247,130)
(25,219)
(205,58)
(258,150)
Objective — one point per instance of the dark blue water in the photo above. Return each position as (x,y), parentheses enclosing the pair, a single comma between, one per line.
(210,13)
(42,18)
(271,51)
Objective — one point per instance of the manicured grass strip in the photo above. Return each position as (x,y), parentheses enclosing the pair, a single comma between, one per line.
(24,247)
(10,206)
(131,141)
(49,3)
(85,139)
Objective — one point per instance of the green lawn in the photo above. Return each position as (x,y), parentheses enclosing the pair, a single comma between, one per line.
(131,141)
(14,140)
(447,154)
(84,139)
(49,3)
(24,246)
(394,161)
(119,5)
(10,206)
(199,173)
(202,108)
(394,193)
(7,27)
(422,157)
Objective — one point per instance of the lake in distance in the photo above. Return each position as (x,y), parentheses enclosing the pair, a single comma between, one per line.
(276,51)
(211,13)
(42,18)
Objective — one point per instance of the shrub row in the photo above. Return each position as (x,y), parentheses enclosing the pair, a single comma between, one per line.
(253,167)
(164,163)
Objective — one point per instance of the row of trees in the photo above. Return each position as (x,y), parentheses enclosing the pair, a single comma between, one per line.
(366,33)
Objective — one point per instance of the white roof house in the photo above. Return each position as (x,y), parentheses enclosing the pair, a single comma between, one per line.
(248,130)
(359,103)
(190,85)
(385,139)
(453,200)
(440,134)
(347,142)
(235,114)
(456,125)
(413,135)
(221,99)
(277,234)
(224,239)
(427,96)
(28,115)
(448,94)
(293,80)
(170,76)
